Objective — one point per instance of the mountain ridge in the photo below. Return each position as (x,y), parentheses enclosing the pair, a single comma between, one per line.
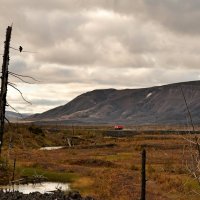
(157,104)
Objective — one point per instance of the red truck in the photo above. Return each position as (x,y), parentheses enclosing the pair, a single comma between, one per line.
(119,127)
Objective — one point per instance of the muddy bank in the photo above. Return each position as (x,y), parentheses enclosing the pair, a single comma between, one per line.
(38,196)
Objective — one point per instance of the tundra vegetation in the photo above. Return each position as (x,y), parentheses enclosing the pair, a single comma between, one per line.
(99,165)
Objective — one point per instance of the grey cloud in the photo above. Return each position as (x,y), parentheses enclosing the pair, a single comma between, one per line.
(47,102)
(76,5)
(180,16)
(17,65)
(102,43)
(70,52)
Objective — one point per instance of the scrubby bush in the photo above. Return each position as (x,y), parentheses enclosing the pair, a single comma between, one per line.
(36,130)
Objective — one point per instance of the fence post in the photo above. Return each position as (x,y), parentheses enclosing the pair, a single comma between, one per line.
(14,165)
(143,175)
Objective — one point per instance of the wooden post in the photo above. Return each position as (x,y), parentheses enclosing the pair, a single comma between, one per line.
(143,176)
(4,83)
(73,129)
(14,166)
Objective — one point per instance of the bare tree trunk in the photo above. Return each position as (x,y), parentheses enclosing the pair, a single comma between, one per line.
(143,175)
(4,83)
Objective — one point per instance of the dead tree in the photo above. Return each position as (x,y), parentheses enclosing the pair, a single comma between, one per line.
(4,84)
(193,162)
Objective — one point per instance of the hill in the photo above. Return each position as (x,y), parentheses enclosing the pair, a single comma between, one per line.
(154,105)
(14,117)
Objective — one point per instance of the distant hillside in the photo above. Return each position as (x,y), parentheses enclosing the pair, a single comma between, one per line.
(13,116)
(155,105)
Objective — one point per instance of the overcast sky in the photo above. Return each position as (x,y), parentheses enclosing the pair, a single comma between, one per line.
(84,45)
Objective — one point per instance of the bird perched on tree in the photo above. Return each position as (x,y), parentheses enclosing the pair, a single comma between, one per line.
(20,48)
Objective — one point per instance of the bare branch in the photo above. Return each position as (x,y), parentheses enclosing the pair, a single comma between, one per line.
(10,84)
(25,76)
(7,121)
(196,192)
(14,109)
(22,50)
(29,51)
(20,79)
(14,48)
(188,110)
(188,140)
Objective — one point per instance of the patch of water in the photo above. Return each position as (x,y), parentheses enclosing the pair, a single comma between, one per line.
(52,148)
(44,187)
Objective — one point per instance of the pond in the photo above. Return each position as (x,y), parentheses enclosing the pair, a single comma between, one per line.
(52,148)
(44,187)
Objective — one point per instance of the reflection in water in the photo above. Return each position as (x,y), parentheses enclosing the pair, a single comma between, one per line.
(52,148)
(39,187)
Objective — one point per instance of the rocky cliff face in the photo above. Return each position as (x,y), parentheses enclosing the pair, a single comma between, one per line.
(155,105)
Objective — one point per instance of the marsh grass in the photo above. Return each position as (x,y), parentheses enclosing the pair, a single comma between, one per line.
(103,171)
(5,172)
(52,176)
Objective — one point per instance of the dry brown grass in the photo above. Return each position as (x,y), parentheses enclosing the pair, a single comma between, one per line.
(110,171)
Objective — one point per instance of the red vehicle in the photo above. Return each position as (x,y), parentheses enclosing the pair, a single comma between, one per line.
(119,127)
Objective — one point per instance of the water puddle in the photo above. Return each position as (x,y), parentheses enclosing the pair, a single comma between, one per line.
(52,148)
(44,187)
